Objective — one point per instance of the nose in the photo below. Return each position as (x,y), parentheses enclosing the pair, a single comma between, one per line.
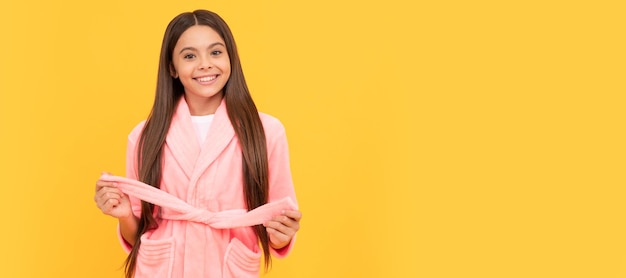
(205,63)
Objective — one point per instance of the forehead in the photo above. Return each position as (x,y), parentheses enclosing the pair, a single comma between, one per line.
(198,36)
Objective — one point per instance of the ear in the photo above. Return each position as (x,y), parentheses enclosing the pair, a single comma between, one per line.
(173,72)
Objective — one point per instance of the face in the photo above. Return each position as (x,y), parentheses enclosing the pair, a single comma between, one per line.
(201,62)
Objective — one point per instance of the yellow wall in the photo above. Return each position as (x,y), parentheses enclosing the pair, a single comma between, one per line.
(436,139)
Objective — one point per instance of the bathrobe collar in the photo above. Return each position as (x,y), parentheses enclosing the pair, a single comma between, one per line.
(181,139)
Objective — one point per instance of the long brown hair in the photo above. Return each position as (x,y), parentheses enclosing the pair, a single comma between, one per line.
(242,113)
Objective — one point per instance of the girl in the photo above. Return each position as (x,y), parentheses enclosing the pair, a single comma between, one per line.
(213,156)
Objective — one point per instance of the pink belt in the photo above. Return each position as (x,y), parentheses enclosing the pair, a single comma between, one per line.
(177,209)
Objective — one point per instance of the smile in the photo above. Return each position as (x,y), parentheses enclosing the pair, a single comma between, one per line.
(206,78)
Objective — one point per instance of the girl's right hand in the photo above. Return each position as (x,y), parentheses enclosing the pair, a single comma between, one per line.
(112,201)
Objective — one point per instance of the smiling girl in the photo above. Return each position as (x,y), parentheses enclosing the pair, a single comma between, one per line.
(221,167)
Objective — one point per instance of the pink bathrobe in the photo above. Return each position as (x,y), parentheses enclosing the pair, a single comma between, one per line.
(208,177)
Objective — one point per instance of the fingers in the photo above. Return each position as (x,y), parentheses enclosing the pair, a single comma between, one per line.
(282,228)
(290,219)
(286,224)
(109,205)
(100,184)
(106,189)
(107,199)
(294,214)
(107,196)
(110,199)
(278,240)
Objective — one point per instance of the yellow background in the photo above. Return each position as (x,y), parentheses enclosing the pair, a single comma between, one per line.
(433,139)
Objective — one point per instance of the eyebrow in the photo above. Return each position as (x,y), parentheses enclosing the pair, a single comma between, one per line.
(210,46)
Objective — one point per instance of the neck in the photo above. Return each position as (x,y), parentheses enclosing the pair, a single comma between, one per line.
(199,106)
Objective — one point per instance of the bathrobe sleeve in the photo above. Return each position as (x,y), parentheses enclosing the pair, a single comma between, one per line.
(131,172)
(280,180)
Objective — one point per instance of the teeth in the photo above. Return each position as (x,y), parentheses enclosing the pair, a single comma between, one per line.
(206,79)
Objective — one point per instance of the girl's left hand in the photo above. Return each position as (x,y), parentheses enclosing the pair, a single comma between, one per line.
(281,229)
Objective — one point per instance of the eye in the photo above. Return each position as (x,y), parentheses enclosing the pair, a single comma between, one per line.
(216,52)
(189,56)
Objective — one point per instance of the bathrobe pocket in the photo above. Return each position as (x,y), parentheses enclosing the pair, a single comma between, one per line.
(240,261)
(155,258)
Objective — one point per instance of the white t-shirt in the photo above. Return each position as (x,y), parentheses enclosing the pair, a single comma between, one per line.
(202,125)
